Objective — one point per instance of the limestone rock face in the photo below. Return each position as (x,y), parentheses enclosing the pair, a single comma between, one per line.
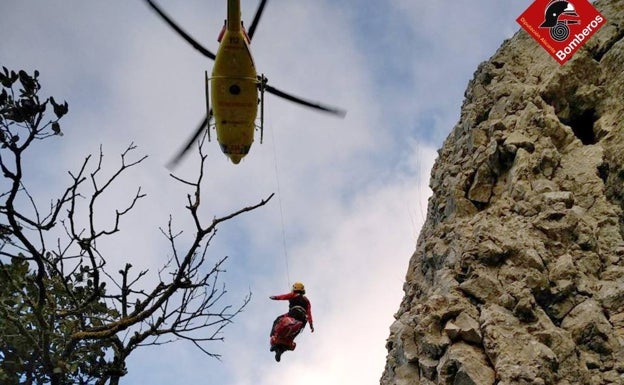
(518,274)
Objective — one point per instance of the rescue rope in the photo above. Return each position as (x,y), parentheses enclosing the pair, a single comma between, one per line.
(281,209)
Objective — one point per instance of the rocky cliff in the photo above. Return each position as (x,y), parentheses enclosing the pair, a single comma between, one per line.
(518,274)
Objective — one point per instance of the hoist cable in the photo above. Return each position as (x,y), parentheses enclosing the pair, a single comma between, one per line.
(281,209)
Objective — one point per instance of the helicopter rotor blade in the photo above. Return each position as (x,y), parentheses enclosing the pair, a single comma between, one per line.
(176,159)
(256,19)
(331,110)
(180,31)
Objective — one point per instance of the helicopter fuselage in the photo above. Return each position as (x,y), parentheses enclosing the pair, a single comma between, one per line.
(234,88)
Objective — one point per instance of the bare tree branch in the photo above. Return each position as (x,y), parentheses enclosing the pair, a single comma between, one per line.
(67,317)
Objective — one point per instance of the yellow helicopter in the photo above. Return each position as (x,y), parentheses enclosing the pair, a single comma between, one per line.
(235,88)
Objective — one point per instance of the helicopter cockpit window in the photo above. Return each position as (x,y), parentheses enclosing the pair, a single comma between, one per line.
(235,149)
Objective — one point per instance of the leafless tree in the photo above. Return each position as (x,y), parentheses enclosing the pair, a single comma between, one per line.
(64,317)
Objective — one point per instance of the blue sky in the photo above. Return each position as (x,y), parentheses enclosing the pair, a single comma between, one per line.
(353,190)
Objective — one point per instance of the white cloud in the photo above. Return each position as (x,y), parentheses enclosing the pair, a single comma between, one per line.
(355,267)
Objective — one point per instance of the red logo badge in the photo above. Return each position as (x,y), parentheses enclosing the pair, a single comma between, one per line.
(561,26)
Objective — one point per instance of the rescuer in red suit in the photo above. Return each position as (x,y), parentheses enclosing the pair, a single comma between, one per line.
(287,326)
